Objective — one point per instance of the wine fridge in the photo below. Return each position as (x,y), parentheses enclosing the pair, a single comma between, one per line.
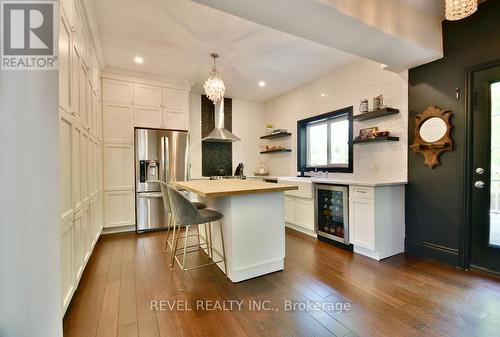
(331,212)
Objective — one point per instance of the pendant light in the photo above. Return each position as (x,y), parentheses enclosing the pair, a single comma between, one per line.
(214,85)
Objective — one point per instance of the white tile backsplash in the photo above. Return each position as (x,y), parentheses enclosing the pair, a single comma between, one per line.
(384,161)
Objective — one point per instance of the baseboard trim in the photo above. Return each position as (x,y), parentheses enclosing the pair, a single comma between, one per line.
(252,271)
(432,251)
(301,229)
(118,229)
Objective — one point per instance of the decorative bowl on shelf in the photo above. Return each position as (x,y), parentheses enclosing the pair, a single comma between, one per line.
(382,133)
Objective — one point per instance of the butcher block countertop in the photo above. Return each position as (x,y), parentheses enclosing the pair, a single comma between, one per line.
(227,187)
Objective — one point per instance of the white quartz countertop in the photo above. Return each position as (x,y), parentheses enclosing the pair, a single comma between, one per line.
(354,182)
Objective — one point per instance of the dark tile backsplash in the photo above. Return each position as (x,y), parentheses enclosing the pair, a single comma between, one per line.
(216,158)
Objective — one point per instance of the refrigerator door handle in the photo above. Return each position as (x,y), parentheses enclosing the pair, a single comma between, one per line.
(164,159)
(150,195)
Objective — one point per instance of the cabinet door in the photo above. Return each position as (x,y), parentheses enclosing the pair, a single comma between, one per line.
(67,260)
(118,166)
(147,95)
(76,160)
(119,208)
(67,9)
(77,249)
(83,167)
(94,112)
(82,93)
(305,213)
(290,210)
(88,95)
(90,172)
(99,118)
(118,123)
(65,167)
(117,92)
(64,64)
(175,120)
(362,222)
(75,82)
(175,100)
(148,117)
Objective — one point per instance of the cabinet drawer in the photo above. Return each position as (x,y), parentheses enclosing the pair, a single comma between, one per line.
(361,192)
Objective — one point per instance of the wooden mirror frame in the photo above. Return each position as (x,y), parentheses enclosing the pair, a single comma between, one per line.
(432,150)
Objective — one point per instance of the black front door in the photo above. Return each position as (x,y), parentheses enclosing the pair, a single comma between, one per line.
(485,220)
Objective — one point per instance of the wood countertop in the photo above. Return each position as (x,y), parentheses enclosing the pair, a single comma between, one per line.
(227,187)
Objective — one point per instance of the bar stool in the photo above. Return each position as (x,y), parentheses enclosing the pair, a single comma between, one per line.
(166,206)
(186,214)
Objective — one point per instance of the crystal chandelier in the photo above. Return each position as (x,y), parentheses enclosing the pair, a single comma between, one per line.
(459,9)
(214,85)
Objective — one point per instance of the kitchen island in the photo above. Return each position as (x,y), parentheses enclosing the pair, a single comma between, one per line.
(253,223)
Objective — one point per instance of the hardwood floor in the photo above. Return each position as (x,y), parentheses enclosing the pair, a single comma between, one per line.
(401,296)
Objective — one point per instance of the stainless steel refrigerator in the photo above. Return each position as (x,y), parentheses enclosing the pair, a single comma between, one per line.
(160,155)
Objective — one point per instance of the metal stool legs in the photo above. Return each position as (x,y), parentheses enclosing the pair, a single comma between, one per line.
(210,251)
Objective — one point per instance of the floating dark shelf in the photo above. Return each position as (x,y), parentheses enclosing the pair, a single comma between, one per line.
(277,135)
(375,114)
(376,139)
(273,151)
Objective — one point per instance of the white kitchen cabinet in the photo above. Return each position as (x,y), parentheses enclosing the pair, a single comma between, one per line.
(67,7)
(119,208)
(74,84)
(118,167)
(79,149)
(175,109)
(290,209)
(118,123)
(67,263)
(65,64)
(376,220)
(299,206)
(175,99)
(362,227)
(82,93)
(148,117)
(88,95)
(115,91)
(175,120)
(148,95)
(305,213)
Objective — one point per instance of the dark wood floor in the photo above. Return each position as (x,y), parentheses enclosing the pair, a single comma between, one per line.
(401,296)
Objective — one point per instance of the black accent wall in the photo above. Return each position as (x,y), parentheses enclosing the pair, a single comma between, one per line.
(216,158)
(436,199)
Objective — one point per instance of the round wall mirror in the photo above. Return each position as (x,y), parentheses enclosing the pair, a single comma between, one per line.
(433,129)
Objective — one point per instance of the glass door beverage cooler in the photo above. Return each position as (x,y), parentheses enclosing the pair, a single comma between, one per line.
(331,212)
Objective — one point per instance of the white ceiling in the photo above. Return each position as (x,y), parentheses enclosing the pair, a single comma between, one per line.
(175,38)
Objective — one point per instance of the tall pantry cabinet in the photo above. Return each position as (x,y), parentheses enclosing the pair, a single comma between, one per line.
(80,146)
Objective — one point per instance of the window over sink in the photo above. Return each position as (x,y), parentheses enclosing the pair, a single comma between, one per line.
(324,142)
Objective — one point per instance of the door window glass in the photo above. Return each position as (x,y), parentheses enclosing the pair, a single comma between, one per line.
(495,165)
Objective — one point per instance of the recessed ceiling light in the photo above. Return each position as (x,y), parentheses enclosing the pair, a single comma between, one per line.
(323,95)
(138,60)
(262,84)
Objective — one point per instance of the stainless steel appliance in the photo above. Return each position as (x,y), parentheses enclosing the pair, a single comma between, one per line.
(160,155)
(331,212)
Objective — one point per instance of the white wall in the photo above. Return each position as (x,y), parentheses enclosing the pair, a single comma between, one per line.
(343,88)
(248,124)
(30,298)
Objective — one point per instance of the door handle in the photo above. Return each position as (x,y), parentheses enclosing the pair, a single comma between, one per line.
(150,195)
(479,184)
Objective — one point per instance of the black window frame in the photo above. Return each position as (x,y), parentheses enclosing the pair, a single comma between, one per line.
(302,141)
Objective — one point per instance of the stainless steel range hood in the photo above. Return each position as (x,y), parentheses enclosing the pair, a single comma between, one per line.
(220,134)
